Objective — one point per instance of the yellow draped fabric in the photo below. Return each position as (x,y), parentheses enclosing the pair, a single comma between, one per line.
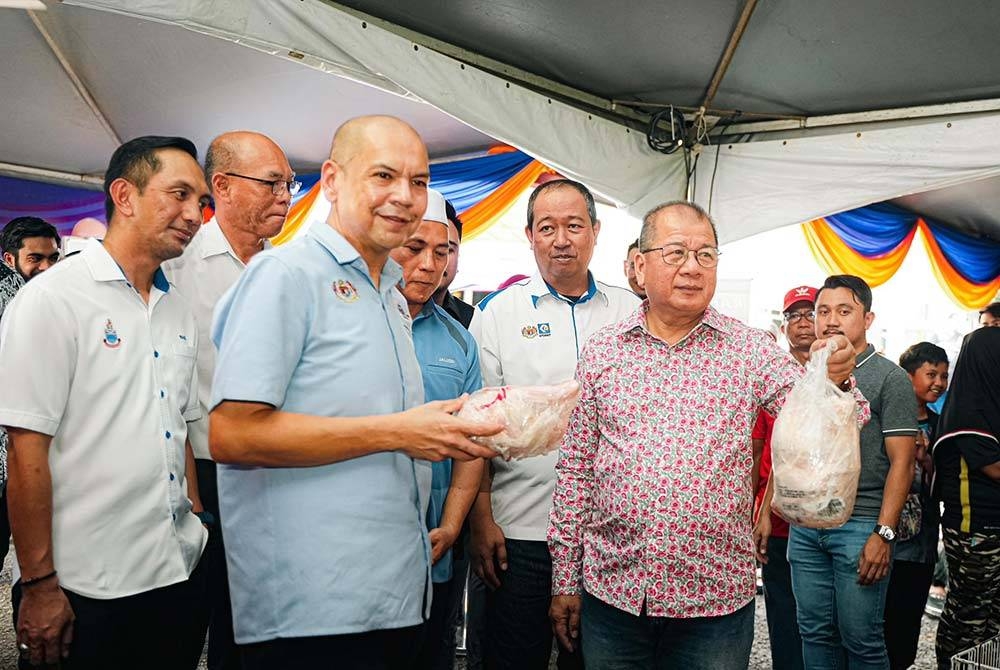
(297,215)
(834,256)
(490,209)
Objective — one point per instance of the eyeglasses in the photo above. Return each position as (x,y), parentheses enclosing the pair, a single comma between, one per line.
(795,317)
(277,185)
(677,254)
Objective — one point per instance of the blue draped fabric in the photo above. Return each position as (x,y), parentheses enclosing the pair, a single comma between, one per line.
(62,206)
(977,259)
(873,230)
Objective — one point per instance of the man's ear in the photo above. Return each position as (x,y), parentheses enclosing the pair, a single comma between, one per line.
(328,179)
(9,259)
(220,186)
(869,318)
(530,235)
(640,270)
(122,192)
(597,229)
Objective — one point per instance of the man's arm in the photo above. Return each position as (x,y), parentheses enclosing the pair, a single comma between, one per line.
(465,481)
(45,619)
(248,433)
(876,555)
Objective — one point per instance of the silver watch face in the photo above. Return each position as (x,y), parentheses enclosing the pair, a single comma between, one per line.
(887,532)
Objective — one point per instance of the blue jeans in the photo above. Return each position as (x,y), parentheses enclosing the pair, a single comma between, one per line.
(841,622)
(616,640)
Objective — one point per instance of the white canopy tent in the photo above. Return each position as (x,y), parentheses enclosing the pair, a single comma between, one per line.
(197,68)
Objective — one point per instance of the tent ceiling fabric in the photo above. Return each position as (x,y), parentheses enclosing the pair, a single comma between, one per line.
(809,58)
(152,78)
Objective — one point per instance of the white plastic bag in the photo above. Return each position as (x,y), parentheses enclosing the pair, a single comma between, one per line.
(815,450)
(534,417)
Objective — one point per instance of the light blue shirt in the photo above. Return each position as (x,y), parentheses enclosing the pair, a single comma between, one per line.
(338,548)
(449,362)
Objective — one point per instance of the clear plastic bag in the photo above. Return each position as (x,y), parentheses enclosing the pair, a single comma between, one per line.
(534,417)
(815,451)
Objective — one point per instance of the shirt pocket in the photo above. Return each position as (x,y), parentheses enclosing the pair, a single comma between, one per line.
(443,382)
(181,367)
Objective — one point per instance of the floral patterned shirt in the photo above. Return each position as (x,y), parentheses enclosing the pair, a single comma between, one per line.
(653,503)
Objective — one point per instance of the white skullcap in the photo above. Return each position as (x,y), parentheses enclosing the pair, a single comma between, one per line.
(435,207)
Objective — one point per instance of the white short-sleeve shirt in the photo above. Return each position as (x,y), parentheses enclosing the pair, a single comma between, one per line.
(528,334)
(113,380)
(202,275)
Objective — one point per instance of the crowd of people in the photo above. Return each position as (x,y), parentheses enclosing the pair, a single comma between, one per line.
(209,435)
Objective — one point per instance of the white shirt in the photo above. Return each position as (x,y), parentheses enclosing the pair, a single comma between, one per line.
(202,275)
(528,335)
(112,379)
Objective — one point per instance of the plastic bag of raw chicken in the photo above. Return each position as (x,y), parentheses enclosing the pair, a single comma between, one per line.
(815,451)
(534,417)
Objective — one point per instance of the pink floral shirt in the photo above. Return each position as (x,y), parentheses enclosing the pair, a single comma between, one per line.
(652,501)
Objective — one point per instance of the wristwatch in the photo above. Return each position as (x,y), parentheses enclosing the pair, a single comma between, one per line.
(885,532)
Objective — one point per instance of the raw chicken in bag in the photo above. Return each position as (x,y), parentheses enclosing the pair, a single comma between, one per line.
(534,417)
(815,450)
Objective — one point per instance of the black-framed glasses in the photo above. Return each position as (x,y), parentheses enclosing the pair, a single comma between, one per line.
(677,254)
(277,185)
(795,317)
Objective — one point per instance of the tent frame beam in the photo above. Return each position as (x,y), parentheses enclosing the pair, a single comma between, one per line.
(727,54)
(78,84)
(51,176)
(855,118)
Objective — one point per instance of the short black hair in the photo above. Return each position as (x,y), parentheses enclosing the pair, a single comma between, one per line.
(634,245)
(920,353)
(856,285)
(993,309)
(588,198)
(17,230)
(136,161)
(449,211)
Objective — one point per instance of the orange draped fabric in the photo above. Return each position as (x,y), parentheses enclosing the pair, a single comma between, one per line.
(297,215)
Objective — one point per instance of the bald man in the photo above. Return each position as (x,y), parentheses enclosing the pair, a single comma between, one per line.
(319,425)
(252,185)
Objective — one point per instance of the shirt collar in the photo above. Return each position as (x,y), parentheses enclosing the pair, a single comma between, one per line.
(215,243)
(540,288)
(711,318)
(864,356)
(345,254)
(105,268)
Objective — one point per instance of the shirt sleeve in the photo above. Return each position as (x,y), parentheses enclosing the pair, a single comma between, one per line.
(39,349)
(899,405)
(484,330)
(977,450)
(775,373)
(260,327)
(571,507)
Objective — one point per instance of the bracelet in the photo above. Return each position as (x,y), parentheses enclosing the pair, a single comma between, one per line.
(35,580)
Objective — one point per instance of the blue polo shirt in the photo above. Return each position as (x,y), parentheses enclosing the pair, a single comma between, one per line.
(339,548)
(449,363)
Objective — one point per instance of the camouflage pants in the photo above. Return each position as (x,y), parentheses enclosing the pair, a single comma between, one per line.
(972,611)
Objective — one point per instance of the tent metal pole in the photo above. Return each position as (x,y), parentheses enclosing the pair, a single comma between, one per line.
(78,84)
(727,55)
(871,116)
(51,176)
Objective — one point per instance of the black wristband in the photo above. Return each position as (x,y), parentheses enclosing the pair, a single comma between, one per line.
(35,580)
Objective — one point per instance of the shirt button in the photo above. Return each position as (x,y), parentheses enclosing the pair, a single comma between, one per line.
(163,393)
(171,476)
(168,434)
(174,516)
(156,354)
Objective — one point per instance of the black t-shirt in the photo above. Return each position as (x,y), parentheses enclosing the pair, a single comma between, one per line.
(971,499)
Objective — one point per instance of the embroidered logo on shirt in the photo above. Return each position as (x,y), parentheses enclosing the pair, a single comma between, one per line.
(111,339)
(544,330)
(345,290)
(529,331)
(183,337)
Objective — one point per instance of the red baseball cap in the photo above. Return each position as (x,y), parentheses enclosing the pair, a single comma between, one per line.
(799,294)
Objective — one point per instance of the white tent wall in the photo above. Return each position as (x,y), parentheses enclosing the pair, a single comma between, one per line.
(611,159)
(767,183)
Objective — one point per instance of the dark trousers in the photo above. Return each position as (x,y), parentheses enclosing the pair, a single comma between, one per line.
(222,651)
(617,640)
(162,629)
(392,649)
(437,652)
(782,625)
(518,631)
(909,584)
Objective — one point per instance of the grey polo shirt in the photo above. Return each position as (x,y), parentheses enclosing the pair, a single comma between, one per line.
(894,412)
